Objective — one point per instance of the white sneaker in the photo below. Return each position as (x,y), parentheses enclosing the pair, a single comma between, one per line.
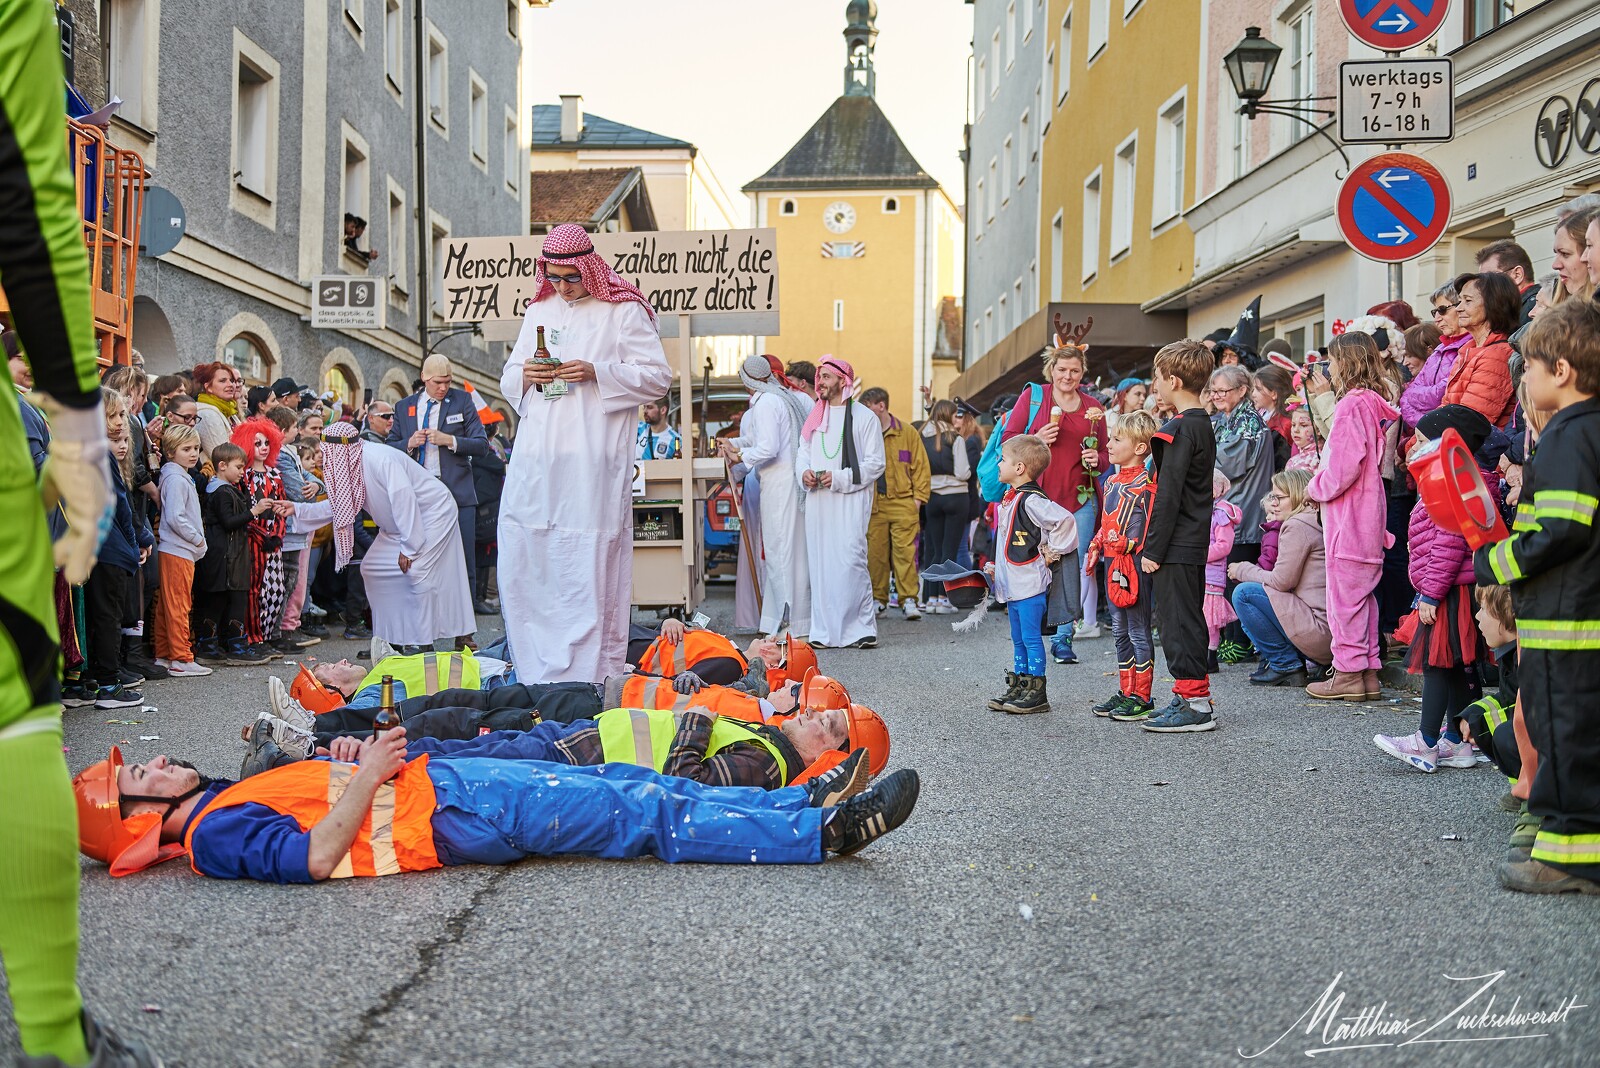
(380,649)
(1082,634)
(881,607)
(1456,754)
(289,737)
(182,669)
(944,607)
(286,708)
(162,661)
(909,606)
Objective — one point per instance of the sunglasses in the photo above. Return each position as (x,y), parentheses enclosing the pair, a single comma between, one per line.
(569,279)
(1442,309)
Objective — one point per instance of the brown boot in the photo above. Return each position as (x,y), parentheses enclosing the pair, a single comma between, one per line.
(1344,686)
(1374,684)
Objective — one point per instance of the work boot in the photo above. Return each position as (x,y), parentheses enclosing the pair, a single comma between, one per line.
(1523,833)
(1536,877)
(208,651)
(841,782)
(1374,683)
(1344,686)
(999,703)
(872,814)
(1030,697)
(265,753)
(107,1049)
(1267,675)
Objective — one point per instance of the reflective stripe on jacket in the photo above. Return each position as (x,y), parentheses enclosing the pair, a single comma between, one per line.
(396,836)
(428,673)
(643,736)
(665,658)
(642,692)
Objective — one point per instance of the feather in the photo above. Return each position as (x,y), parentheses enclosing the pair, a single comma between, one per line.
(974,618)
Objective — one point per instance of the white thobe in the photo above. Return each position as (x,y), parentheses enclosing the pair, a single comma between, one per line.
(566,515)
(766,444)
(416,516)
(836,527)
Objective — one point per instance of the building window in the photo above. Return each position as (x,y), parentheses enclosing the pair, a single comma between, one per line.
(981,102)
(988,327)
(1011,34)
(125,46)
(1171,121)
(980,204)
(1025,139)
(994,62)
(788,207)
(838,315)
(1129,7)
(1005,173)
(513,15)
(1485,15)
(249,357)
(1017,308)
(1099,26)
(1123,195)
(440,229)
(356,195)
(1027,18)
(1049,86)
(1302,65)
(1057,247)
(343,384)
(1001,321)
(394,45)
(512,150)
(1240,151)
(1064,59)
(1091,226)
(891,205)
(438,80)
(397,238)
(478,118)
(255,131)
(994,182)
(354,18)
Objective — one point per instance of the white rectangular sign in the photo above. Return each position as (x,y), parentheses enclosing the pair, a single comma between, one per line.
(1396,101)
(694,272)
(350,302)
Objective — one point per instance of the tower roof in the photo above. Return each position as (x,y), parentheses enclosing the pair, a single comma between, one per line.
(852,146)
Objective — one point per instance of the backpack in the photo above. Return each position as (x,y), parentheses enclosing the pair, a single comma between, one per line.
(989,484)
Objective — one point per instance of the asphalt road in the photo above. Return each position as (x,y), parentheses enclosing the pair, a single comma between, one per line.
(1069,891)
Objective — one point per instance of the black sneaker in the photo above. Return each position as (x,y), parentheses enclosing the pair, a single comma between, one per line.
(483,608)
(839,783)
(357,632)
(129,678)
(76,695)
(869,642)
(1266,675)
(873,814)
(298,639)
(264,650)
(265,754)
(314,630)
(1110,704)
(118,696)
(1132,710)
(239,654)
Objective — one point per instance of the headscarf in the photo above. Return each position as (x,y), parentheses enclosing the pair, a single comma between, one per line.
(569,245)
(1241,424)
(764,374)
(347,487)
(818,419)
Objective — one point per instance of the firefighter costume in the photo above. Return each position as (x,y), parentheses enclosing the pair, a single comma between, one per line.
(1552,564)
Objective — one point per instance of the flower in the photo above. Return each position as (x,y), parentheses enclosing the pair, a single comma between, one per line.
(1094,415)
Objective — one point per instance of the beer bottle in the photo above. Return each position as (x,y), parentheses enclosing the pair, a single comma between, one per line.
(542,355)
(388,717)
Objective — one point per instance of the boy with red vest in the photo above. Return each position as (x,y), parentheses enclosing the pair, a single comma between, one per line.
(1125,516)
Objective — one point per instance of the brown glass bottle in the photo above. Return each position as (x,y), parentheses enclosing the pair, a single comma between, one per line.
(388,717)
(541,355)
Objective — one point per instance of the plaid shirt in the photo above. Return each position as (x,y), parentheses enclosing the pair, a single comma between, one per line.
(740,764)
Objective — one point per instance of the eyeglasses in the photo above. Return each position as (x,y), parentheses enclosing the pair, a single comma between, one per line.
(195,418)
(1442,309)
(569,279)
(1276,497)
(1223,391)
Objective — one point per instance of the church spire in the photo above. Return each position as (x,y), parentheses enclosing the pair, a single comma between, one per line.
(860,34)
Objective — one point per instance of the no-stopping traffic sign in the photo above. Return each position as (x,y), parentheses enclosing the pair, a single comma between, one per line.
(1393,25)
(1394,207)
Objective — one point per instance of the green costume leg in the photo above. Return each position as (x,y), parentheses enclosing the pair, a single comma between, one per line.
(44,270)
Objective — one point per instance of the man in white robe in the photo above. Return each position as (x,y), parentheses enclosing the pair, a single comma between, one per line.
(839,460)
(414,571)
(566,515)
(768,436)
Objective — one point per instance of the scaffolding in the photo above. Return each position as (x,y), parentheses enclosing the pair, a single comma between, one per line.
(111,185)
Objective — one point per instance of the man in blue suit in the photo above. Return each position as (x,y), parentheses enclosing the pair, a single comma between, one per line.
(440,429)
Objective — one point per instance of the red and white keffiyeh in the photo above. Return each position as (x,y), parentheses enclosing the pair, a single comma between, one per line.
(569,245)
(818,419)
(347,487)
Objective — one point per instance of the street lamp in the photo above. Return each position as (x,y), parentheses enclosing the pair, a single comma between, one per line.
(1250,66)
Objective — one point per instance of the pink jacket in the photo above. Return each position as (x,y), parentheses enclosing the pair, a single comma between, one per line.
(1350,484)
(1439,558)
(1424,392)
(1225,520)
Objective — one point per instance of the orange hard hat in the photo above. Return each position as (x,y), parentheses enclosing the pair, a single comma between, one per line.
(126,845)
(802,658)
(313,695)
(868,729)
(821,692)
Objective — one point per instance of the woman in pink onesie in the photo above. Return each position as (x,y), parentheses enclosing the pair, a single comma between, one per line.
(1350,488)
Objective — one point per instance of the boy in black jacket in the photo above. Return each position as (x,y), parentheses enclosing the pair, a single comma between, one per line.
(222,577)
(1179,534)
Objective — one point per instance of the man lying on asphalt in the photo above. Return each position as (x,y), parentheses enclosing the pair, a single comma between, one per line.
(322,819)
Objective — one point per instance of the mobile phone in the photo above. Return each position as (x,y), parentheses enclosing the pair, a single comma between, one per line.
(366,397)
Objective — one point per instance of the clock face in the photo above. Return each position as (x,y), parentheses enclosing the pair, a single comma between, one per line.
(839,217)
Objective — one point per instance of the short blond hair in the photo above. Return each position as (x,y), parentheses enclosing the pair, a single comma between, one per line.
(1189,361)
(1138,427)
(176,437)
(1497,599)
(1030,451)
(1053,356)
(1294,485)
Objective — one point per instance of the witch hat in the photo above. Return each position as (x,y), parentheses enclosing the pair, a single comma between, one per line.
(1246,336)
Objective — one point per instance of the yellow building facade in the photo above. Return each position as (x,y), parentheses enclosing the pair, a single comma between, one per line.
(869,244)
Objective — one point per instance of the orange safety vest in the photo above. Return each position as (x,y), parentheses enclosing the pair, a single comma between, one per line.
(396,836)
(642,692)
(665,658)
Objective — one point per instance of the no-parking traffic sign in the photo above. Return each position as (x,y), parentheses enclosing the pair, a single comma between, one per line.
(1394,207)
(1393,25)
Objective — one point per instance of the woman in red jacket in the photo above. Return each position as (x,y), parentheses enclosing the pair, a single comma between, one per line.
(1490,309)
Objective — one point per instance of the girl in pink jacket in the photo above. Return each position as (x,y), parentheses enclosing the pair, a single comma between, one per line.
(1225,520)
(1349,486)
(1447,645)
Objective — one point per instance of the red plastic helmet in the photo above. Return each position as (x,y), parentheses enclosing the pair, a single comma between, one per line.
(868,729)
(126,845)
(820,692)
(802,658)
(1453,491)
(313,695)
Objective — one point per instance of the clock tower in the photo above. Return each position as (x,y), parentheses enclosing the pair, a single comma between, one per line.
(869,244)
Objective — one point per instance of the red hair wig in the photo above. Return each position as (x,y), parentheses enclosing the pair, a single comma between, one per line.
(244,436)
